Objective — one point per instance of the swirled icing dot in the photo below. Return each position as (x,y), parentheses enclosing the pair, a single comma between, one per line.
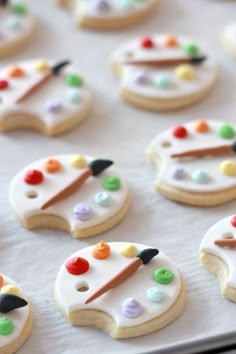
(77,265)
(141,77)
(200,177)
(83,212)
(185,72)
(4,84)
(100,5)
(146,42)
(78,161)
(155,294)
(1,281)
(226,131)
(163,81)
(131,308)
(13,23)
(228,168)
(40,66)
(54,106)
(6,326)
(101,251)
(103,199)
(33,177)
(170,41)
(190,49)
(201,126)
(233,221)
(111,183)
(179,132)
(73,96)
(52,166)
(128,250)
(10,289)
(16,72)
(74,80)
(163,275)
(19,9)
(178,173)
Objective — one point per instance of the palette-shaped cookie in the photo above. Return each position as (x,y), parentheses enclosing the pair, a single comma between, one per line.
(196,162)
(48,96)
(163,72)
(217,255)
(16,317)
(228,39)
(109,14)
(150,298)
(17,27)
(95,206)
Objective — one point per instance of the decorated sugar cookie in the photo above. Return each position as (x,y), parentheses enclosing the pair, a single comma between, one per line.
(109,14)
(228,39)
(196,162)
(125,289)
(78,194)
(17,27)
(163,72)
(15,316)
(50,97)
(217,255)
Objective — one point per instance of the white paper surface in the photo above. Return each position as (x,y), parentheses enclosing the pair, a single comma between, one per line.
(122,133)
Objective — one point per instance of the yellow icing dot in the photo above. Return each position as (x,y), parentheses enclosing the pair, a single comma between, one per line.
(185,72)
(78,161)
(228,168)
(128,250)
(40,66)
(10,289)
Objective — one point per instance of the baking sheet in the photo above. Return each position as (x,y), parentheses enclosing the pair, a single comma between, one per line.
(122,133)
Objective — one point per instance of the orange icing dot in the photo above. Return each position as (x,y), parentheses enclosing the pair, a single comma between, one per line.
(101,250)
(52,166)
(1,281)
(170,41)
(201,126)
(16,71)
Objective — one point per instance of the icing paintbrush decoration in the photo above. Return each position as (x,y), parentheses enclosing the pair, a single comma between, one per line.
(9,302)
(212,151)
(168,62)
(4,2)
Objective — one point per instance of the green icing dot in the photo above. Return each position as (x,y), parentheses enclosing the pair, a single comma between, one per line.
(190,49)
(74,80)
(111,183)
(6,326)
(19,9)
(163,275)
(226,131)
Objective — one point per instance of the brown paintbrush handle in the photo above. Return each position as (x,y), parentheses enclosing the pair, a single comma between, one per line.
(215,151)
(159,62)
(226,243)
(68,190)
(35,87)
(117,279)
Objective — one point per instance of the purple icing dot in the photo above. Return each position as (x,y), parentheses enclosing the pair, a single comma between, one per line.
(54,106)
(141,78)
(101,5)
(83,212)
(178,173)
(131,308)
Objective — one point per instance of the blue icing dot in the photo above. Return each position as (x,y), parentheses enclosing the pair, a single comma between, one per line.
(163,81)
(74,96)
(13,23)
(200,177)
(103,199)
(155,294)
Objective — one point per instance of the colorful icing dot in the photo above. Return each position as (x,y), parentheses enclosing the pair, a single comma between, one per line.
(19,9)
(163,81)
(10,289)
(73,96)
(40,66)
(163,275)
(52,166)
(6,326)
(170,41)
(33,177)
(146,43)
(103,199)
(201,126)
(100,5)
(185,72)
(131,308)
(128,250)
(226,131)
(141,77)
(74,80)
(111,183)
(190,49)
(233,221)
(179,132)
(126,4)
(228,168)
(16,72)
(155,294)
(200,177)
(83,212)
(54,106)
(77,265)
(4,84)
(13,23)
(178,173)
(1,281)
(101,250)
(78,161)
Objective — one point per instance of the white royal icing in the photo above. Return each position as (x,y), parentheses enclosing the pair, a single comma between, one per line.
(230,33)
(206,73)
(100,271)
(26,207)
(217,180)
(19,317)
(54,89)
(228,255)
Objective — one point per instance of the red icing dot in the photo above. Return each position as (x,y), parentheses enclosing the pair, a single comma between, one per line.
(4,84)
(33,177)
(77,265)
(146,42)
(233,221)
(179,132)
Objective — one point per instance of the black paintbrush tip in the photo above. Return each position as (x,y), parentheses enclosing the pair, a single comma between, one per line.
(9,302)
(4,2)
(198,59)
(98,166)
(148,254)
(59,66)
